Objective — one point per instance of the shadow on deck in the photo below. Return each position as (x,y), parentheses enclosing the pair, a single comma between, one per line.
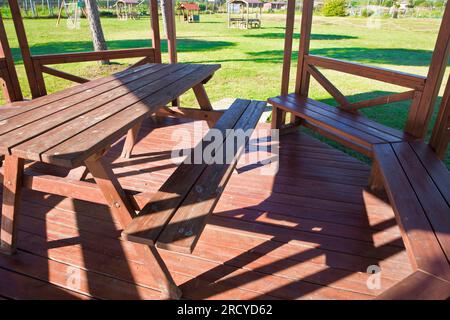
(308,231)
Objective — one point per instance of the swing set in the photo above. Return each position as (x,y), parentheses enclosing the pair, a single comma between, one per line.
(73,11)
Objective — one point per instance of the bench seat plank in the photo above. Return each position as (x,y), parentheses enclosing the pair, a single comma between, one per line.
(148,225)
(356,130)
(186,226)
(433,203)
(435,167)
(418,234)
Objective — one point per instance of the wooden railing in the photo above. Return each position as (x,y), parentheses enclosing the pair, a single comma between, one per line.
(37,65)
(424,89)
(415,82)
(41,62)
(8,76)
(440,137)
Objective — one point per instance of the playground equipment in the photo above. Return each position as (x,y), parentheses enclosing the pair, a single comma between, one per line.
(73,10)
(29,6)
(244,14)
(128,9)
(189,11)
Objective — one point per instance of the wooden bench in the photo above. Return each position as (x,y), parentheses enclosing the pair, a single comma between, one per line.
(418,187)
(350,129)
(70,144)
(175,216)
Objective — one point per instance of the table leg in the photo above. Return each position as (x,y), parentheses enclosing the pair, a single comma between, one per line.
(376,183)
(277,118)
(12,188)
(203,100)
(130,141)
(123,210)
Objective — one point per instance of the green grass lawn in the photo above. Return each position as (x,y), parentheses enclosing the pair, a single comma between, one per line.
(251,59)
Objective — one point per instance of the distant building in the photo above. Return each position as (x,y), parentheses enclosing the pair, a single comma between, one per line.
(255,3)
(268,6)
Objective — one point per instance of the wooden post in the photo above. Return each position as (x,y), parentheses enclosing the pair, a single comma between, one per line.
(288,40)
(12,91)
(441,132)
(156,36)
(420,113)
(25,50)
(171,38)
(12,188)
(302,82)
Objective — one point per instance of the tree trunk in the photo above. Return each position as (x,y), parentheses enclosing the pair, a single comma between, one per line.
(169,30)
(93,15)
(164,4)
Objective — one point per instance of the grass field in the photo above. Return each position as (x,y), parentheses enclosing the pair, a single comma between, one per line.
(251,59)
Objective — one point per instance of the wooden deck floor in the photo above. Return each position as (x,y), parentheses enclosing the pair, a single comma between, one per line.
(310,231)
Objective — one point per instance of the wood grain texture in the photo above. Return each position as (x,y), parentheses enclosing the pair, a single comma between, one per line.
(151,221)
(385,75)
(12,189)
(59,58)
(24,48)
(186,225)
(303,77)
(46,128)
(12,90)
(423,238)
(352,130)
(270,245)
(441,133)
(419,116)
(418,286)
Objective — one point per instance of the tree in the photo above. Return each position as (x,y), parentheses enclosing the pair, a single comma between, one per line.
(93,15)
(334,8)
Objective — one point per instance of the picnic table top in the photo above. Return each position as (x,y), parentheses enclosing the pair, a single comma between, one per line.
(66,127)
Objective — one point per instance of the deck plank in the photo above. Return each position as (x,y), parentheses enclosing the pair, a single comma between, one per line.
(283,240)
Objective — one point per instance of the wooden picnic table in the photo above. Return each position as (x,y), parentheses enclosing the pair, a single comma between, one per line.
(75,127)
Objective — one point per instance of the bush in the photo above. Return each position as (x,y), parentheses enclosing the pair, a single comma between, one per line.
(334,8)
(366,12)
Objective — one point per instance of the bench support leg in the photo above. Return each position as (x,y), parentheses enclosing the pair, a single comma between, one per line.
(130,141)
(376,180)
(277,118)
(123,211)
(78,174)
(13,181)
(203,100)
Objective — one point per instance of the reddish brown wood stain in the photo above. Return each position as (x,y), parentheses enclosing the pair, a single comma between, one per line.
(317,245)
